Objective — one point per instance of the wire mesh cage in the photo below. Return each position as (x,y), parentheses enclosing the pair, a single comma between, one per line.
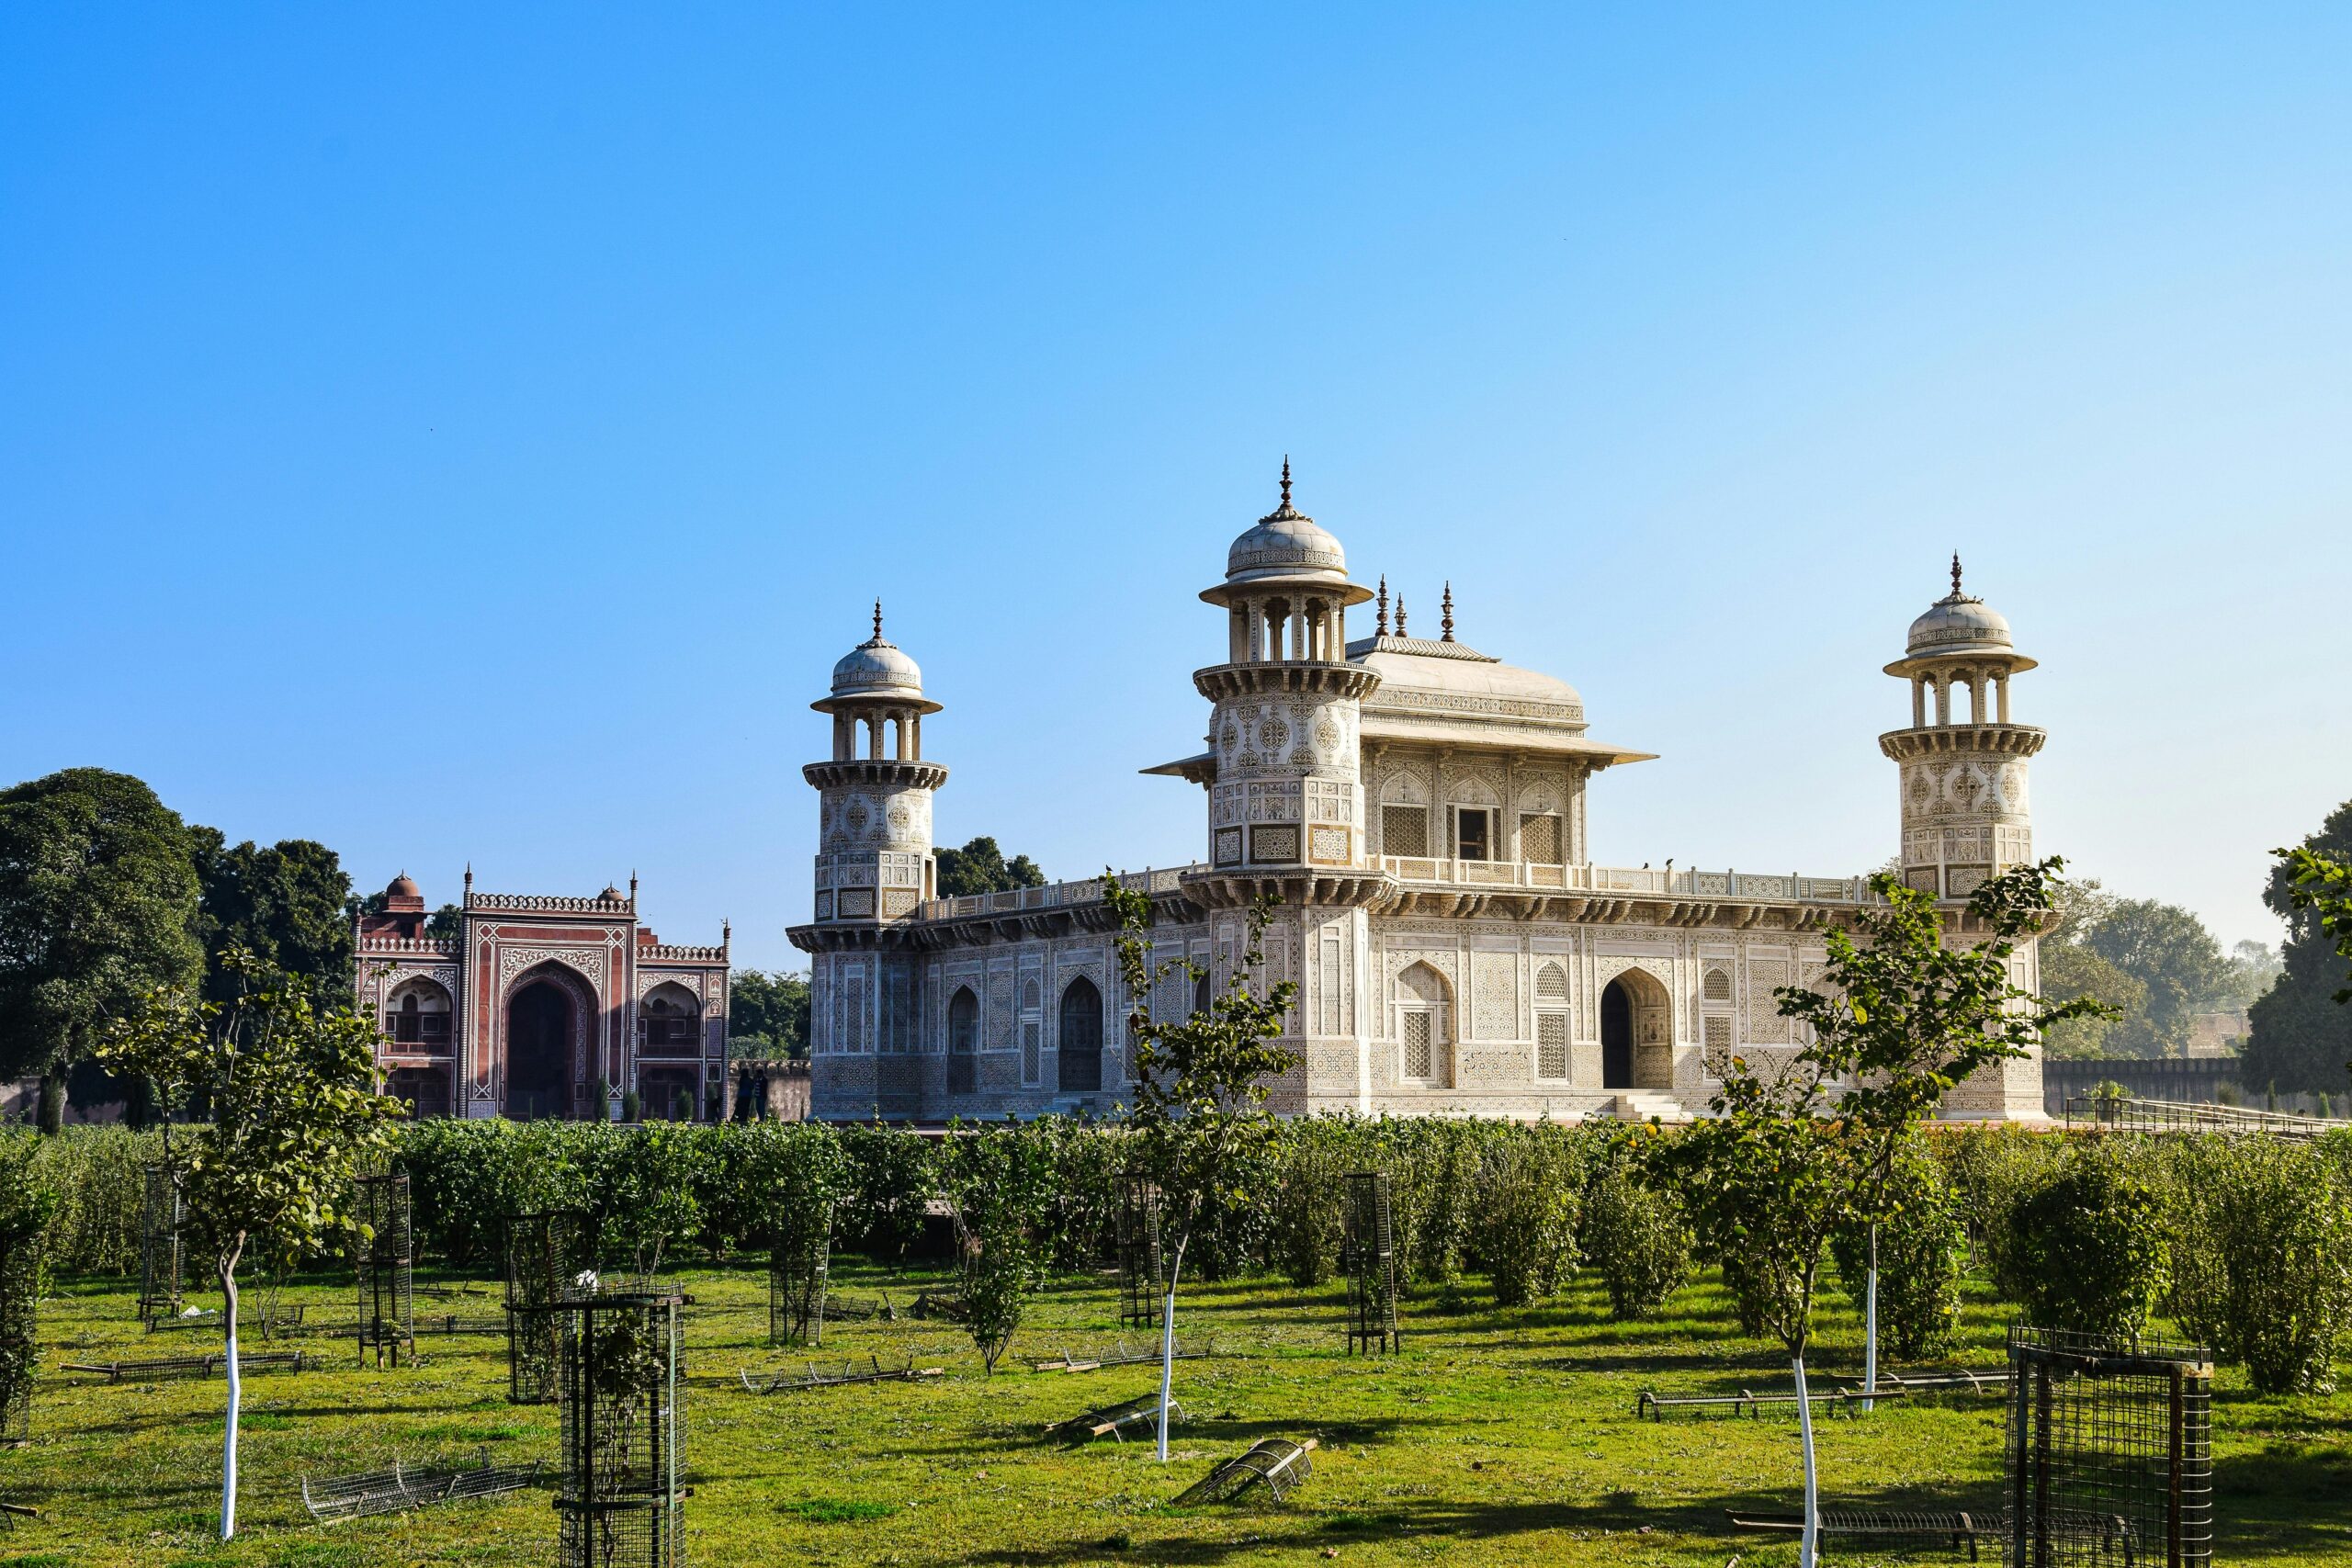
(546,1251)
(2108,1456)
(386,1287)
(162,1215)
(19,1323)
(799,1254)
(1142,1272)
(1371,1251)
(620,1383)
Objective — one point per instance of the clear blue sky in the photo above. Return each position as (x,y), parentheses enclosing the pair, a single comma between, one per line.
(473,431)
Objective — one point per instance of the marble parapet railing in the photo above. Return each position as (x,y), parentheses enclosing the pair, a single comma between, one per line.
(1053,895)
(671,952)
(445,946)
(1791,886)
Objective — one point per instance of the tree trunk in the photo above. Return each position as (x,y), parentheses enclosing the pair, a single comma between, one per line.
(53,1096)
(1168,1344)
(1809,1548)
(228,1272)
(1869,1331)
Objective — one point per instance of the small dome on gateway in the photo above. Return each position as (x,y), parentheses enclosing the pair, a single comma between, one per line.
(1959,624)
(877,667)
(611,895)
(1284,543)
(404,886)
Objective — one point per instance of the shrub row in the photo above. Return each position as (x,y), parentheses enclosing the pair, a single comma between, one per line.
(2246,1243)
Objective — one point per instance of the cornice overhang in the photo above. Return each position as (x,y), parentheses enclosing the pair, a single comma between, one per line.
(2005,739)
(1220,681)
(877,772)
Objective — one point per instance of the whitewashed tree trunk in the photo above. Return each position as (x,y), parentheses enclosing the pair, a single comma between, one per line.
(1808,1551)
(229,1427)
(1869,1331)
(1167,1363)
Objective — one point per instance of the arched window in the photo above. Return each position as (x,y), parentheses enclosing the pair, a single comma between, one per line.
(1551,984)
(1080,1037)
(668,1018)
(417,1014)
(1551,1021)
(963,1041)
(1425,1028)
(1200,993)
(1716,987)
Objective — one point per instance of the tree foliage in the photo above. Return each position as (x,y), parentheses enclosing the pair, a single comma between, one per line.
(2302,1037)
(1790,1159)
(2089,1250)
(288,905)
(1001,1182)
(981,867)
(767,1013)
(97,912)
(287,1080)
(1634,1230)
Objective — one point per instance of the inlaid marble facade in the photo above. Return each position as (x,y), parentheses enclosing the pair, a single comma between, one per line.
(1420,810)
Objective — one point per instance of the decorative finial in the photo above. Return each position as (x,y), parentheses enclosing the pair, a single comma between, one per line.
(1286,478)
(1955,574)
(878,620)
(1445,614)
(1400,615)
(1380,626)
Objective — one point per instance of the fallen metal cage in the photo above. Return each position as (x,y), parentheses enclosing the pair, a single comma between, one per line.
(618,1385)
(332,1499)
(1142,1271)
(2107,1456)
(1277,1463)
(1372,1275)
(386,1288)
(798,1258)
(162,1213)
(546,1251)
(19,1321)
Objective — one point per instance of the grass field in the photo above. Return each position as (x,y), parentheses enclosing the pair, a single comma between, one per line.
(1496,1438)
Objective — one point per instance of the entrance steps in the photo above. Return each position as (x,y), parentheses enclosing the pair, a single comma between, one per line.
(1634,1106)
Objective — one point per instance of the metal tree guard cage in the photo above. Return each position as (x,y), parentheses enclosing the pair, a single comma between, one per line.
(20,1308)
(387,1292)
(162,1213)
(546,1251)
(1142,1273)
(798,1258)
(619,1386)
(1372,1276)
(2108,1456)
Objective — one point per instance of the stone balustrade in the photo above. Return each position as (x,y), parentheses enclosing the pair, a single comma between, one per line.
(443,946)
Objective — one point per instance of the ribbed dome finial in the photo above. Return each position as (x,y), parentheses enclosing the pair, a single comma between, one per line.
(1445,614)
(878,619)
(1286,478)
(1380,626)
(1955,574)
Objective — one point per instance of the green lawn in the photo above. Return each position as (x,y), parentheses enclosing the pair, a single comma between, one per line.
(1497,1436)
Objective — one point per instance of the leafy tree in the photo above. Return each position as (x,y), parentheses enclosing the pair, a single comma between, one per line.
(2255,967)
(1919,1250)
(2071,968)
(445,923)
(769,1010)
(289,1078)
(98,910)
(2302,1037)
(288,905)
(981,867)
(1634,1229)
(2169,951)
(1789,1160)
(1200,1084)
(1001,1182)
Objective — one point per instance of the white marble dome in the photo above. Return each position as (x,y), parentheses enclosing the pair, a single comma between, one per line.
(1286,542)
(1960,624)
(878,668)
